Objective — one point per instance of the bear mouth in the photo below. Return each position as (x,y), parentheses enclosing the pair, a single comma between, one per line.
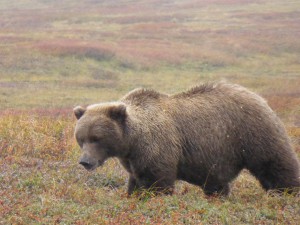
(89,167)
(100,162)
(95,166)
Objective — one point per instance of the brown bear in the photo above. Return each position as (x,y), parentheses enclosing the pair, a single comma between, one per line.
(204,136)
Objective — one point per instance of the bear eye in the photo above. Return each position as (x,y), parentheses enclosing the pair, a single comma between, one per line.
(94,139)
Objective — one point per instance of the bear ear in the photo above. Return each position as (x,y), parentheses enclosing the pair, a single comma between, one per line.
(118,112)
(78,112)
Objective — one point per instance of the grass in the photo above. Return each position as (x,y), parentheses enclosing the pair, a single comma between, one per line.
(41,183)
(56,55)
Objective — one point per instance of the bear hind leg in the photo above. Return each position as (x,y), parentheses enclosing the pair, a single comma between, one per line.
(277,175)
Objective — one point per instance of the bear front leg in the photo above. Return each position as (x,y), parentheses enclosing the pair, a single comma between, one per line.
(156,186)
(132,185)
(157,183)
(216,189)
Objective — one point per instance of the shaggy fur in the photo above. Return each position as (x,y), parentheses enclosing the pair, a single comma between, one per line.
(204,136)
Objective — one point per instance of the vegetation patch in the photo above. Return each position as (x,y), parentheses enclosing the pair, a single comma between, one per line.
(59,54)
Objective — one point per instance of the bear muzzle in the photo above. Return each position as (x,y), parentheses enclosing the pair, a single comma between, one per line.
(90,164)
(87,165)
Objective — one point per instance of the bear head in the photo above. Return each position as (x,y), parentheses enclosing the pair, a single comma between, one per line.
(100,133)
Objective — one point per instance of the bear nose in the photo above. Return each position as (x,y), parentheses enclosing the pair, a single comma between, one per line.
(86,165)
